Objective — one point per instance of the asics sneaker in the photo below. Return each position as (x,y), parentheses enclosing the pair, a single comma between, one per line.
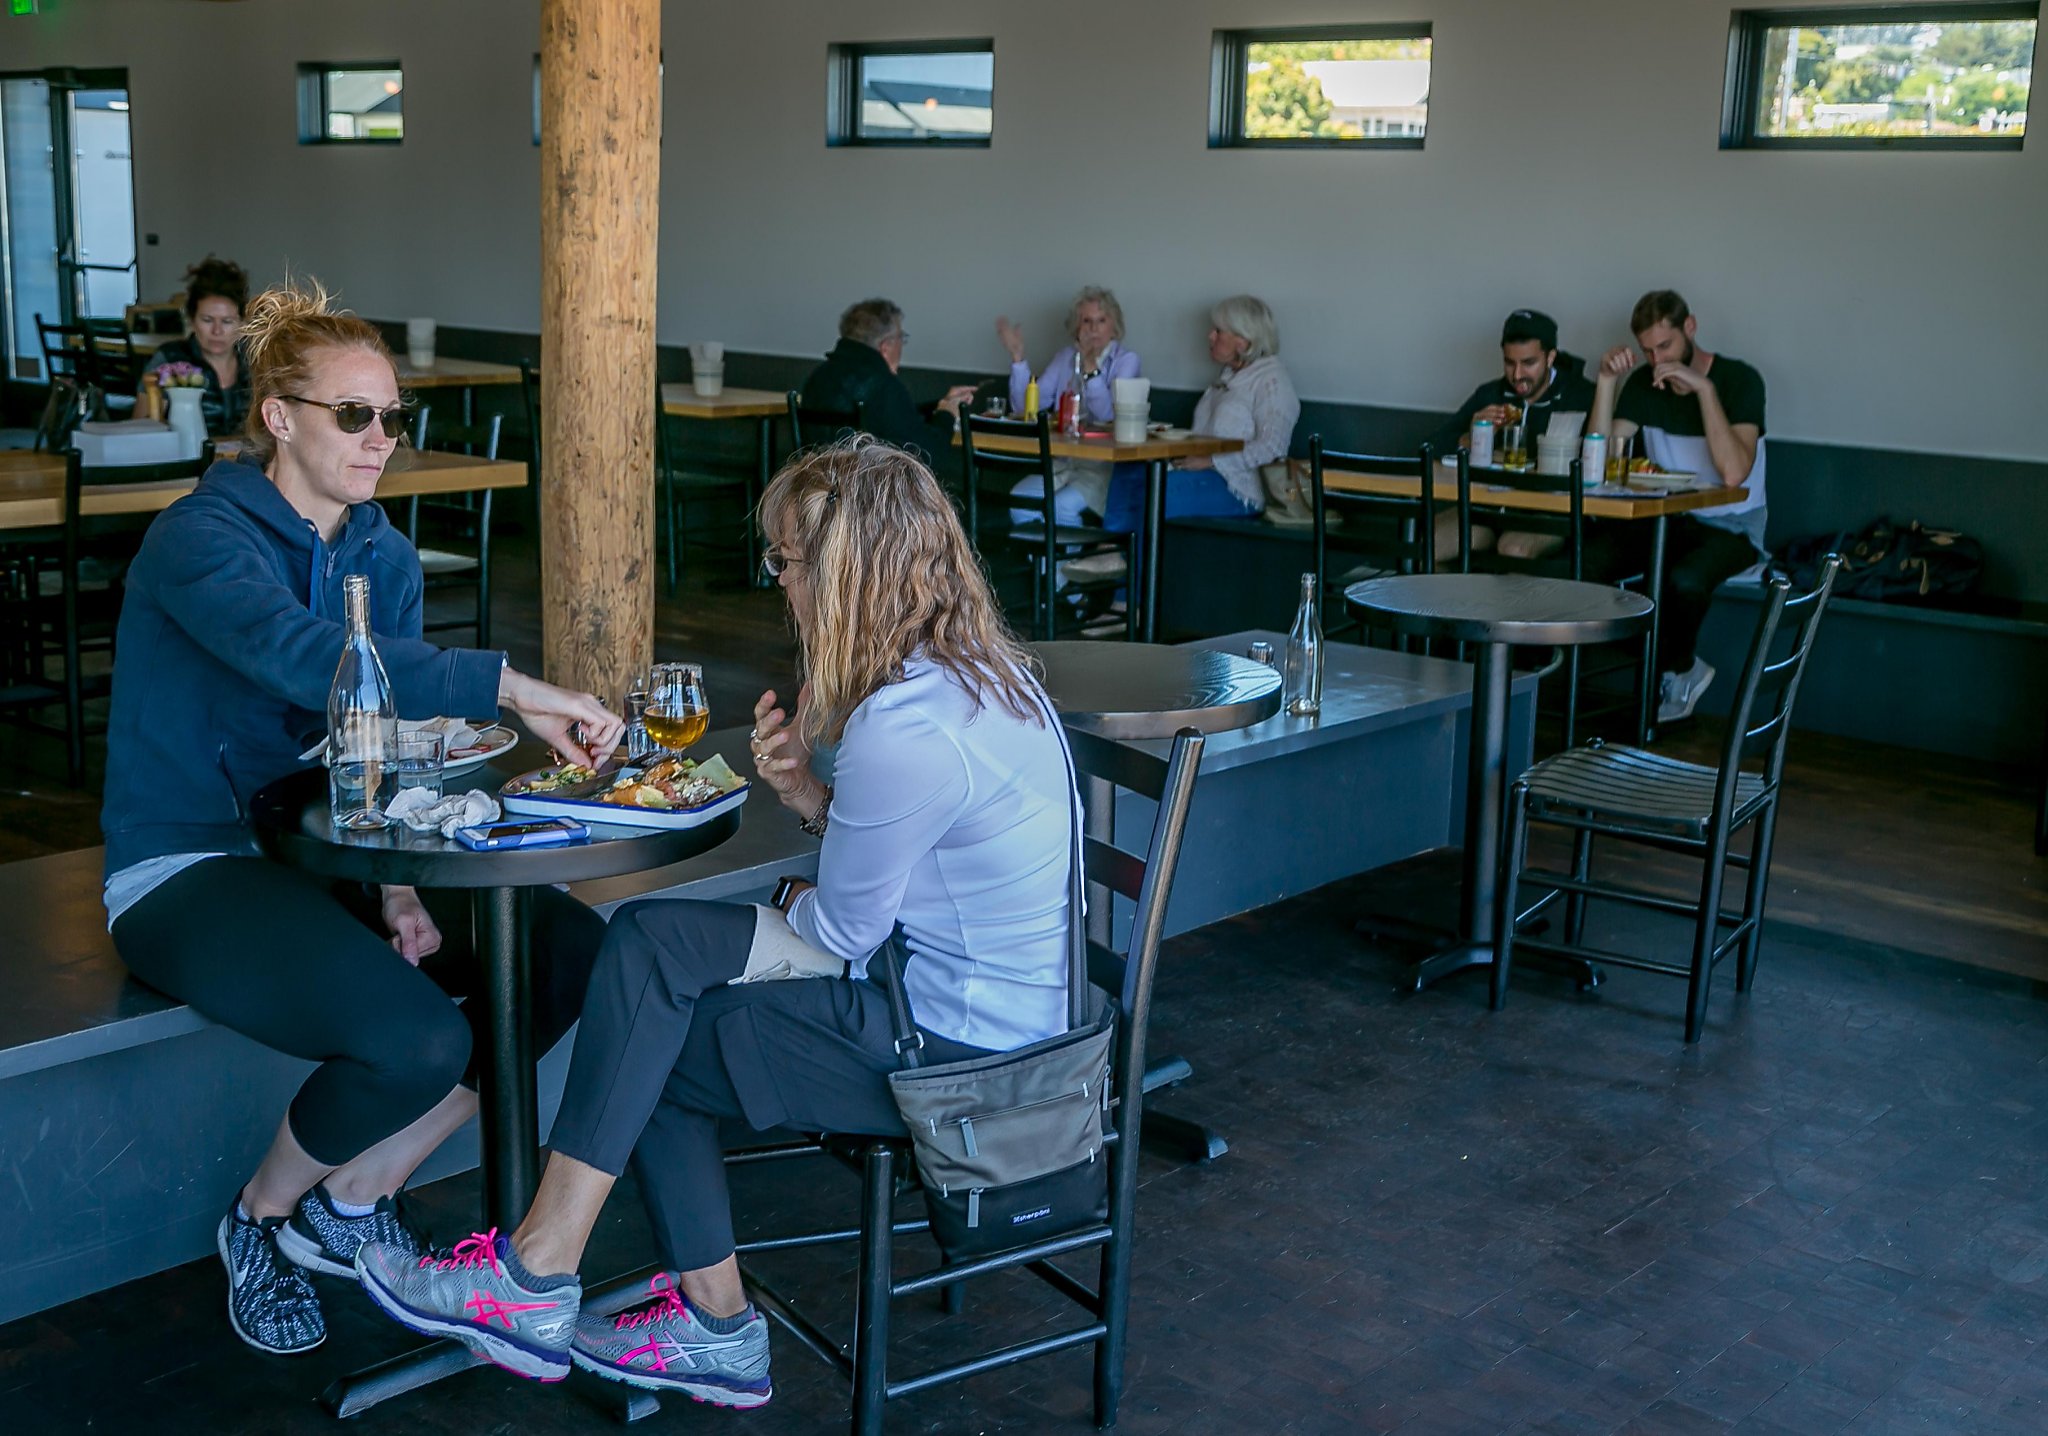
(271,1304)
(321,1239)
(662,1345)
(477,1293)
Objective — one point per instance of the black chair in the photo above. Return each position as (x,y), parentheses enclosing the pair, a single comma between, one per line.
(1396,533)
(467,514)
(116,364)
(70,583)
(1675,806)
(1042,543)
(529,403)
(1124,980)
(810,426)
(680,486)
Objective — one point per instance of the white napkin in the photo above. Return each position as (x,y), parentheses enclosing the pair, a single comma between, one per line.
(423,812)
(1133,391)
(706,351)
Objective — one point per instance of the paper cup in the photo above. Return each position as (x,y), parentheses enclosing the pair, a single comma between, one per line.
(708,383)
(419,342)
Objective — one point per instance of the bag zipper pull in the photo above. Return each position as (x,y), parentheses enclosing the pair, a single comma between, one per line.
(967,1139)
(973,1207)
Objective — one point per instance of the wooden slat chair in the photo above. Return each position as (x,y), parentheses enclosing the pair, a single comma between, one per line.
(1041,543)
(1661,802)
(1391,533)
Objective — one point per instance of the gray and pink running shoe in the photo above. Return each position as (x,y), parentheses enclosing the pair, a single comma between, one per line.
(663,1345)
(477,1293)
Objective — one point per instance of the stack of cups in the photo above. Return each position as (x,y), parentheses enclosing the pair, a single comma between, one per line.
(1554,455)
(419,343)
(707,369)
(1133,409)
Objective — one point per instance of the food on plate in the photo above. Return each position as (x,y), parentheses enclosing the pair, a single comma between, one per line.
(554,780)
(674,783)
(460,739)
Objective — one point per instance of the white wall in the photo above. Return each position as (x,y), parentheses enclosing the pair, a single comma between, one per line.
(1893,300)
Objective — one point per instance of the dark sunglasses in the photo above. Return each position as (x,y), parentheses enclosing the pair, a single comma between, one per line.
(353,418)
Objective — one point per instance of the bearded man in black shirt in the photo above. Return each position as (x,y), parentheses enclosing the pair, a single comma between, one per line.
(1701,413)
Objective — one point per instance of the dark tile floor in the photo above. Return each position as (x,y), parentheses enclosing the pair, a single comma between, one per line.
(1828,1216)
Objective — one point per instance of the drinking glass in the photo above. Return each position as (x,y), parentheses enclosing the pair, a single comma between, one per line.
(422,761)
(996,407)
(639,689)
(677,711)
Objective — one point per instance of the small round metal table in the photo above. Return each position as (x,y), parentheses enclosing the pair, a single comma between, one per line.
(1494,612)
(1139,691)
(292,825)
(1136,692)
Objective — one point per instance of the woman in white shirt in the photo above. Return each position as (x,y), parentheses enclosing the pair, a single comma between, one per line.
(952,816)
(1252,399)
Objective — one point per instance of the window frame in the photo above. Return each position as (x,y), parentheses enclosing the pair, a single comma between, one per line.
(1229,56)
(1742,88)
(842,92)
(313,101)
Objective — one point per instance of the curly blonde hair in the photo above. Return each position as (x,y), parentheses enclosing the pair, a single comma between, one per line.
(283,330)
(891,575)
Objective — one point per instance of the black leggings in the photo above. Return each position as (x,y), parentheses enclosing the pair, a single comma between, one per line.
(667,1049)
(302,965)
(1698,558)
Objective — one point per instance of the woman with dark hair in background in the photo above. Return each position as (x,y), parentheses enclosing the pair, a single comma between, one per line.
(216,297)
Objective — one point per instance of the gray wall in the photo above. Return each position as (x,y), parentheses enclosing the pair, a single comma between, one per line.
(1893,300)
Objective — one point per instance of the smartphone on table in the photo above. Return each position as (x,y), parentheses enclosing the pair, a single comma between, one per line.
(524,833)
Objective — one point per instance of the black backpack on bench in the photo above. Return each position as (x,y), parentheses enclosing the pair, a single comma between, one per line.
(1889,563)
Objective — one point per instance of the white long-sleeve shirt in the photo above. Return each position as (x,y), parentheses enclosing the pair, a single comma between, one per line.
(957,821)
(1256,404)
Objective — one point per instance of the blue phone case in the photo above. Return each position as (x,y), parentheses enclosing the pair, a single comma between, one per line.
(550,832)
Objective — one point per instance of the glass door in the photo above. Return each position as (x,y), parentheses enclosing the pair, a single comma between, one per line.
(67,231)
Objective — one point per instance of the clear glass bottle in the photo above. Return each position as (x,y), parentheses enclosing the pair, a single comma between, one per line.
(1303,675)
(362,722)
(1074,403)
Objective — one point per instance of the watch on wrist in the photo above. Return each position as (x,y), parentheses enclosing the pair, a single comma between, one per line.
(815,823)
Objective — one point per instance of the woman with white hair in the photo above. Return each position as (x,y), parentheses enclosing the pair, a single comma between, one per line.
(1095,324)
(1252,399)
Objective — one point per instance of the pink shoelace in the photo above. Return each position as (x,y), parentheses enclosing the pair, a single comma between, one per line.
(668,1302)
(478,1249)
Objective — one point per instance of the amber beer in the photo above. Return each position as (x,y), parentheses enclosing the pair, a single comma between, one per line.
(676,732)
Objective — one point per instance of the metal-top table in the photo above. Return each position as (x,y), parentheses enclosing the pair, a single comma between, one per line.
(1141,691)
(291,821)
(1493,611)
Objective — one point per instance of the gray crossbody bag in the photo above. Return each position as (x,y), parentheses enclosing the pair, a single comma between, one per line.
(1009,1146)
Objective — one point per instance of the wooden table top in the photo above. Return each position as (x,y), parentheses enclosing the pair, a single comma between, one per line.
(1105,449)
(32,485)
(1598,505)
(684,402)
(446,373)
(140,343)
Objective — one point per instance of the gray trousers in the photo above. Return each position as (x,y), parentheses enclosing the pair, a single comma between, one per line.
(667,1050)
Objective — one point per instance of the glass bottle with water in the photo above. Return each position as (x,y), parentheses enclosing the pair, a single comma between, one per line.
(1303,675)
(362,723)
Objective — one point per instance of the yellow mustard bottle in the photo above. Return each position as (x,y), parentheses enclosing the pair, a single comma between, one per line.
(1031,400)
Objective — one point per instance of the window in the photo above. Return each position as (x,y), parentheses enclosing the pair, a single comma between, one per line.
(938,92)
(1357,86)
(352,104)
(1937,77)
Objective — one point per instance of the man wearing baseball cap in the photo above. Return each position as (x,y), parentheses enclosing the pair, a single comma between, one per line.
(1533,376)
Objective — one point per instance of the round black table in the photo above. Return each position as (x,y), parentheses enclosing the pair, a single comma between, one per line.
(1135,692)
(292,825)
(1493,612)
(1138,691)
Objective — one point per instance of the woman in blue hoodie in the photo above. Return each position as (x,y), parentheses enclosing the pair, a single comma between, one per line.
(228,641)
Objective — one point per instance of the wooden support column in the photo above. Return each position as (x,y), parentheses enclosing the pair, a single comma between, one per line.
(600,96)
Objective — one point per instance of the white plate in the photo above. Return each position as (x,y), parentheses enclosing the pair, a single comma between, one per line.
(589,810)
(493,739)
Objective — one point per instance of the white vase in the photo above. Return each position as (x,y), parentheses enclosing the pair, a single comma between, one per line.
(186,420)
